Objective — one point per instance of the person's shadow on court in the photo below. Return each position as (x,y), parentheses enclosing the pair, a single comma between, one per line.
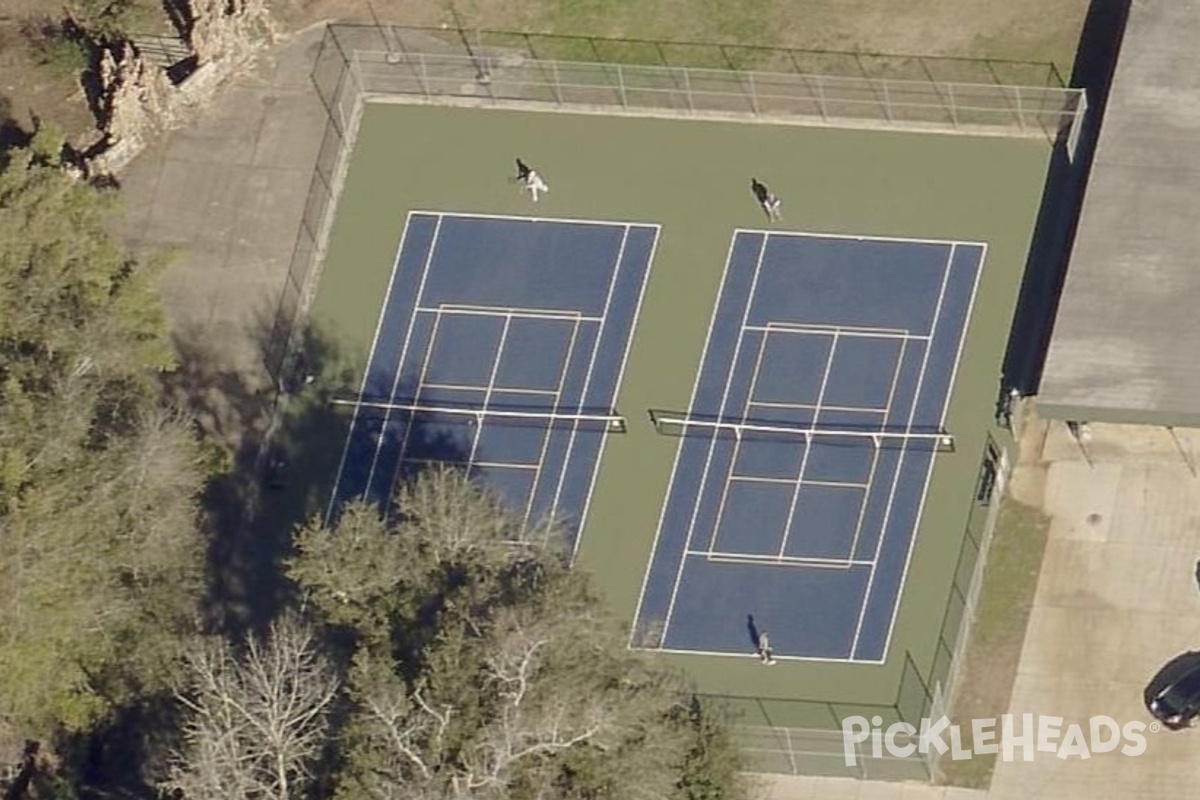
(752,629)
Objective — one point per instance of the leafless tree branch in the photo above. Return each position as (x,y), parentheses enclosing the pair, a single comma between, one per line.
(256,722)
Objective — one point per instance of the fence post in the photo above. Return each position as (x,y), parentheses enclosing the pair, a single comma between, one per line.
(1078,118)
(753,95)
(887,102)
(687,88)
(953,107)
(557,83)
(356,77)
(425,78)
(791,749)
(415,72)
(821,98)
(1020,111)
(621,86)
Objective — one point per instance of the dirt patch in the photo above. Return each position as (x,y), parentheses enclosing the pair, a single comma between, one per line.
(40,81)
(30,89)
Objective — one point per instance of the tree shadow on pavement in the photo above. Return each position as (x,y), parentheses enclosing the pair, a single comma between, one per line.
(281,448)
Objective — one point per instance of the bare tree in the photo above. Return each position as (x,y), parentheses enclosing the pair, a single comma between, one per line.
(485,669)
(256,722)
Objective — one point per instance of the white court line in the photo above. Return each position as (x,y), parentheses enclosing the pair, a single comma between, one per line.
(620,379)
(891,398)
(713,445)
(833,484)
(458,387)
(409,422)
(962,339)
(487,397)
(433,242)
(862,509)
(774,404)
(737,445)
(754,655)
(587,381)
(532,220)
(504,311)
(816,329)
(366,370)
(737,442)
(791,562)
(462,387)
(362,387)
(808,447)
(862,512)
(851,237)
(900,467)
(662,514)
(547,434)
(493,464)
(792,482)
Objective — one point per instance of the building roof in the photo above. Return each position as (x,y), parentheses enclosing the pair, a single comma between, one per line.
(1126,341)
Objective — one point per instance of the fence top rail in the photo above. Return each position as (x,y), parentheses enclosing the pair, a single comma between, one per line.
(394,58)
(493,38)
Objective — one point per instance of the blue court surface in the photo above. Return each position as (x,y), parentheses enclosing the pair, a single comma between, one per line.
(499,348)
(807,451)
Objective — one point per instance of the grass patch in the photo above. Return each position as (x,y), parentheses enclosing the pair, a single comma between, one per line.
(1005,601)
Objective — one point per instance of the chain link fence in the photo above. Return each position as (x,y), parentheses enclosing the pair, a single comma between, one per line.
(581,74)
(804,737)
(357,63)
(341,95)
(488,68)
(962,604)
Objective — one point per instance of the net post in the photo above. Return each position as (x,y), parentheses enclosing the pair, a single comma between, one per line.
(753,95)
(952,104)
(1020,108)
(687,88)
(621,86)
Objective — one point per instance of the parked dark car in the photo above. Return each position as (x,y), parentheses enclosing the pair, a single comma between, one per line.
(1178,703)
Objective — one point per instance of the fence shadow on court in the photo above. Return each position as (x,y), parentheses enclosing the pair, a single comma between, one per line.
(1058,217)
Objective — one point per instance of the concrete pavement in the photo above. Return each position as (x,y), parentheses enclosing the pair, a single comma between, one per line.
(1116,599)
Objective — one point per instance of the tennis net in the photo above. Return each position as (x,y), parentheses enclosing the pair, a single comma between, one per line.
(491,415)
(674,423)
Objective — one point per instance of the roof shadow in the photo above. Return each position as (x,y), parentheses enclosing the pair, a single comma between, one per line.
(1058,216)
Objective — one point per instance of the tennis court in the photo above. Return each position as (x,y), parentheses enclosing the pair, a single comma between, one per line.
(807,450)
(499,348)
(787,397)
